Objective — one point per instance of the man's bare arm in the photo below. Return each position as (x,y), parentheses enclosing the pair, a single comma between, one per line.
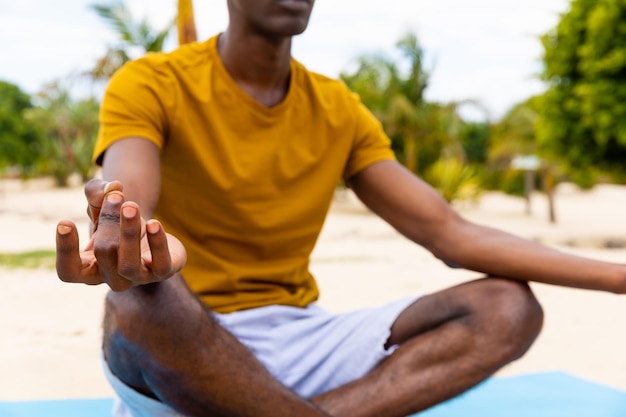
(418,212)
(124,250)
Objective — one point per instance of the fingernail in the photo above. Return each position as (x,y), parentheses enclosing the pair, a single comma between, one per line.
(152,227)
(113,186)
(129,212)
(106,187)
(63,229)
(114,198)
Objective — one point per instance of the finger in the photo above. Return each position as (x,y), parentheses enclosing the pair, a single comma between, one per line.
(161,262)
(129,252)
(95,191)
(106,241)
(178,254)
(68,261)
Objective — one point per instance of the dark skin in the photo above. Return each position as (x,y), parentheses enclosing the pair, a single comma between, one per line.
(267,29)
(156,331)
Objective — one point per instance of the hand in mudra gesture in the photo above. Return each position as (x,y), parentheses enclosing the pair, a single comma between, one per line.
(124,250)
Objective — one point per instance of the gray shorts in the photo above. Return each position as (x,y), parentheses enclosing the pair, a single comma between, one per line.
(308,349)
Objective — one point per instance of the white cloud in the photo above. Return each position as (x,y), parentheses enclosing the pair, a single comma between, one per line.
(483,49)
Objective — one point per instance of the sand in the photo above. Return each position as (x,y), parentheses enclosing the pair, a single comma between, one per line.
(50,331)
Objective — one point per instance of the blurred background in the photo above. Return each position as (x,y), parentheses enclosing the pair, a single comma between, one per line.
(479,95)
(491,101)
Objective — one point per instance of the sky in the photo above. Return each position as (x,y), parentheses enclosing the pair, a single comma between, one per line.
(483,50)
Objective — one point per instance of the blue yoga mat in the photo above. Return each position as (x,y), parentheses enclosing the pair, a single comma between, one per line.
(551,394)
(58,408)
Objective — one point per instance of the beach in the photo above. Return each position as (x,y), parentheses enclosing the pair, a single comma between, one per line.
(50,331)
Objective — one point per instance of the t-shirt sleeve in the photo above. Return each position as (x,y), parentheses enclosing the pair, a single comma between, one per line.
(371,143)
(132,107)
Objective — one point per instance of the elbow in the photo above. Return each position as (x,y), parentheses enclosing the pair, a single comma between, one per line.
(447,240)
(450,264)
(448,257)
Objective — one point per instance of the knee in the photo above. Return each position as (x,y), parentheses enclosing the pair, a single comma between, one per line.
(161,307)
(123,357)
(515,302)
(157,320)
(149,329)
(514,315)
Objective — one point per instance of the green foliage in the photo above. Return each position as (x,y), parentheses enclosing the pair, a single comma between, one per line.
(454,180)
(514,135)
(374,74)
(583,114)
(134,35)
(431,139)
(475,139)
(421,132)
(415,83)
(30,260)
(507,180)
(19,142)
(69,130)
(395,98)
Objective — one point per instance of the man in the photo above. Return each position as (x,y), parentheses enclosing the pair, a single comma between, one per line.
(237,150)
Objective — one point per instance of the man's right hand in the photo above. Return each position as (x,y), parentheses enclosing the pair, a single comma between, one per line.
(124,250)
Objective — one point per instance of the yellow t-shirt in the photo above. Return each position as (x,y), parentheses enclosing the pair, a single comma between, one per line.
(246,188)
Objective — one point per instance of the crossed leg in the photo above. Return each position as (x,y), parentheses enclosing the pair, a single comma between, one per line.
(160,340)
(448,341)
(163,343)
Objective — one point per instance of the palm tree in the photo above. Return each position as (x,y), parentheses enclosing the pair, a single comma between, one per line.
(133,34)
(68,130)
(425,134)
(420,130)
(414,85)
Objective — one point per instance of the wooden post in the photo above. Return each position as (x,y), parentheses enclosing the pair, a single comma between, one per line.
(529,164)
(185,21)
(529,188)
(548,188)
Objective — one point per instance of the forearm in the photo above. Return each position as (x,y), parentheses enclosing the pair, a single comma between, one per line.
(135,162)
(498,253)
(125,250)
(420,214)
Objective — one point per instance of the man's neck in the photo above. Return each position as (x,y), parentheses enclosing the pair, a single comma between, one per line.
(259,66)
